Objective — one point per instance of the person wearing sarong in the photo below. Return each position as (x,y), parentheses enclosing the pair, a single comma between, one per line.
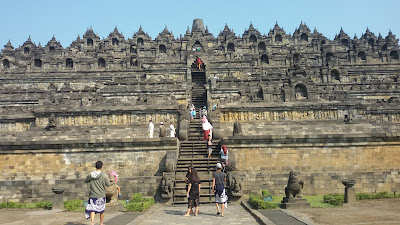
(97,193)
(193,192)
(219,179)
(206,129)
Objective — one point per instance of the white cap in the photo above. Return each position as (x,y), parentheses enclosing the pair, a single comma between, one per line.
(162,123)
(219,166)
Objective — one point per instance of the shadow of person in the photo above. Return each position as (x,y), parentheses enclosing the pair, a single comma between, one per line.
(174,212)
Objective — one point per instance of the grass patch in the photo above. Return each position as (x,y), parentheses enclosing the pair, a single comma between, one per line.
(379,195)
(334,199)
(138,203)
(317,201)
(257,201)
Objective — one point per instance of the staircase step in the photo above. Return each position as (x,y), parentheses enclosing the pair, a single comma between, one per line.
(190,159)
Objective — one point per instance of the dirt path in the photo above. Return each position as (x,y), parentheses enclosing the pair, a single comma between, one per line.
(365,212)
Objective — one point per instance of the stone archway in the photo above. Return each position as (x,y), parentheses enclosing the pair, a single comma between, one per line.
(335,75)
(362,56)
(101,63)
(300,91)
(304,37)
(162,49)
(231,47)
(69,63)
(394,55)
(253,38)
(264,59)
(261,46)
(6,63)
(278,38)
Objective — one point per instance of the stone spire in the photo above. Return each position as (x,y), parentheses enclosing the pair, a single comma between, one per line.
(391,37)
(8,46)
(380,38)
(198,26)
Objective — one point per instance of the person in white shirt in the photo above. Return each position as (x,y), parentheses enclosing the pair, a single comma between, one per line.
(172,130)
(150,130)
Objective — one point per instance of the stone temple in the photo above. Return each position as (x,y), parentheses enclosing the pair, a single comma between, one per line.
(328,109)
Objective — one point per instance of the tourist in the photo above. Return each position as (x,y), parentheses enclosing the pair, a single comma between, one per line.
(171,130)
(193,192)
(192,108)
(198,62)
(97,193)
(163,132)
(187,181)
(115,175)
(224,156)
(209,146)
(211,130)
(150,130)
(203,112)
(206,129)
(194,112)
(219,179)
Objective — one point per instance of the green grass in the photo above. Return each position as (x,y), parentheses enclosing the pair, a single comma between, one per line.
(277,199)
(317,201)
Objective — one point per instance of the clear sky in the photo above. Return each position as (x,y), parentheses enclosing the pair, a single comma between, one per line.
(67,18)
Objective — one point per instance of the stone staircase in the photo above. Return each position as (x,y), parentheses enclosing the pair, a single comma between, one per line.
(199,93)
(194,152)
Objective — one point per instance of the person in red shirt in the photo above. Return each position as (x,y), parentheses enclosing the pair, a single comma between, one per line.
(198,62)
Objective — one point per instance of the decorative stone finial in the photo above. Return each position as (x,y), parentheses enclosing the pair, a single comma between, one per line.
(198,25)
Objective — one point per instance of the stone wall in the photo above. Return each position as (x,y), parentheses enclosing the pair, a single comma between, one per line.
(29,171)
(323,162)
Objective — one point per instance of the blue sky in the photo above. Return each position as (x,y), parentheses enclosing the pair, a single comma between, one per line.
(66,19)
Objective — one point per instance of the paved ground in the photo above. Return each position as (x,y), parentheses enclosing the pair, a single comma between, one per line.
(371,212)
(234,214)
(279,217)
(365,212)
(45,217)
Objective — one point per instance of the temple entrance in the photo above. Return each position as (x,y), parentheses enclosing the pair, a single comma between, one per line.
(199,93)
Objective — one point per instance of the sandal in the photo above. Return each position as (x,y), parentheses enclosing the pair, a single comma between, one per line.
(218,213)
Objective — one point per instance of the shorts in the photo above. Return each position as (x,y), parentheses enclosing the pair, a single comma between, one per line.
(209,151)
